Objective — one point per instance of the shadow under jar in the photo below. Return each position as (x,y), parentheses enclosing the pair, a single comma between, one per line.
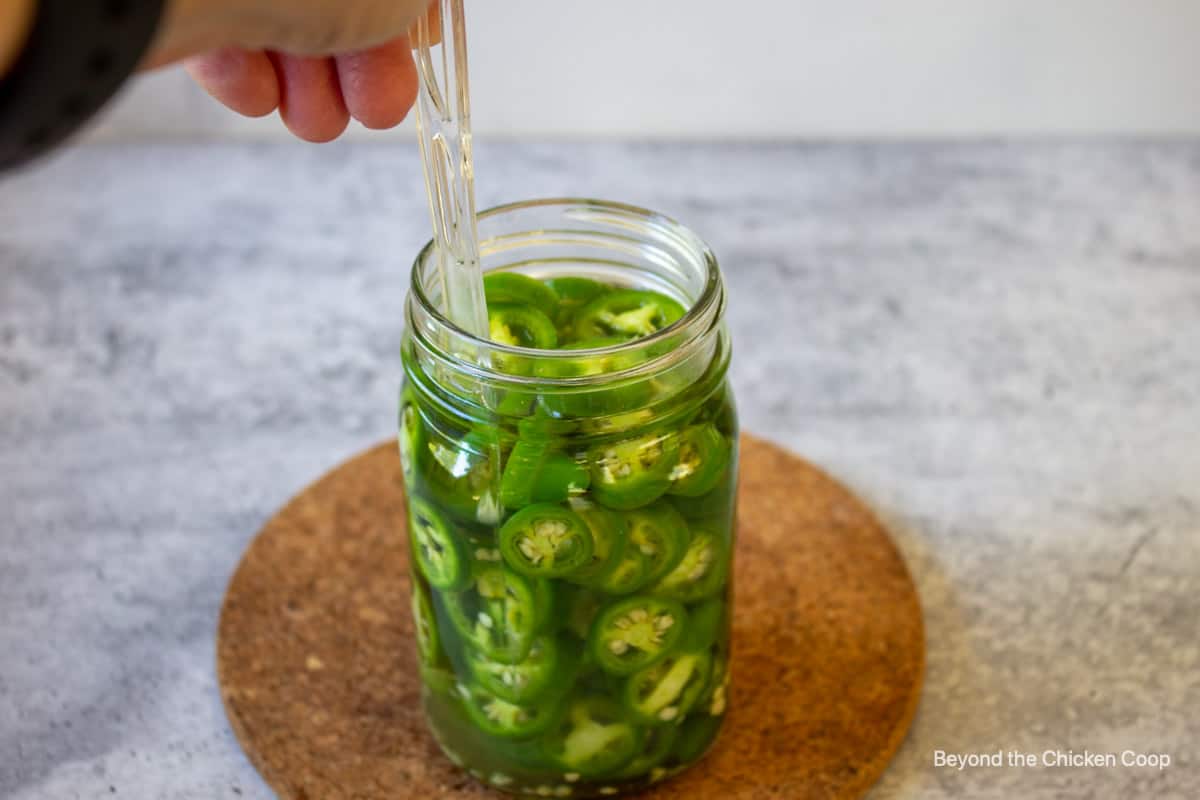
(571,510)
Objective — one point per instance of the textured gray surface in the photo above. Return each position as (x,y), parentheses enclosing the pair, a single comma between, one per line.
(998,346)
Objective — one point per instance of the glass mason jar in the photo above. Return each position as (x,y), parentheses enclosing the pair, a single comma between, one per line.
(571,514)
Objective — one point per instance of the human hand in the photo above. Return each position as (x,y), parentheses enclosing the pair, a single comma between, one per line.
(320,62)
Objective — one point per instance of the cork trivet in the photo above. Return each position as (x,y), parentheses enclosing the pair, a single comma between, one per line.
(317,668)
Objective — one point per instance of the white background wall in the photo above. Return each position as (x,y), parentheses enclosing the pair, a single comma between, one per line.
(786,68)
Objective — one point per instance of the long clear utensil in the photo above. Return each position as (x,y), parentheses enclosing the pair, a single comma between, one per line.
(444,128)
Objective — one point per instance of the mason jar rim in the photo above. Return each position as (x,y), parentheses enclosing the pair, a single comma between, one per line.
(711,296)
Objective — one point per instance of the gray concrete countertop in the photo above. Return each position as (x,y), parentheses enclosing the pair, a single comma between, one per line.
(996,345)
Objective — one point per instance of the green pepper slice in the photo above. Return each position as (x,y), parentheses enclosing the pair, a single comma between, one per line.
(706,624)
(657,746)
(579,606)
(545,606)
(412,434)
(702,570)
(497,613)
(715,696)
(636,632)
(573,293)
(696,735)
(655,541)
(425,625)
(438,679)
(719,409)
(520,472)
(586,402)
(660,534)
(608,542)
(428,643)
(590,365)
(561,477)
(665,691)
(626,312)
(548,664)
(512,402)
(627,575)
(594,737)
(521,326)
(506,720)
(711,508)
(633,472)
(459,476)
(513,288)
(703,457)
(535,472)
(438,549)
(545,541)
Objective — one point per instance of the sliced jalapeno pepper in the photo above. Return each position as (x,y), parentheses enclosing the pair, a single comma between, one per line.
(535,472)
(513,288)
(608,542)
(524,462)
(720,410)
(696,735)
(633,472)
(412,434)
(636,632)
(560,478)
(512,402)
(545,617)
(542,426)
(593,680)
(585,402)
(660,534)
(655,749)
(703,457)
(428,643)
(452,643)
(573,293)
(460,478)
(520,756)
(702,570)
(665,691)
(616,423)
(503,719)
(627,575)
(545,541)
(521,326)
(439,551)
(706,623)
(586,366)
(629,572)
(626,312)
(711,508)
(594,737)
(438,679)
(715,696)
(497,613)
(549,664)
(579,606)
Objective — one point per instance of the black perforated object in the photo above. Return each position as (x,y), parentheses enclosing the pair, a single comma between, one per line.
(78,54)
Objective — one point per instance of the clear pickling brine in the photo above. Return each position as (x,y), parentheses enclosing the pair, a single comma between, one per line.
(571,488)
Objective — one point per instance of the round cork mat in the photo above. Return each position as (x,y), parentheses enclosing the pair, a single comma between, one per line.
(318,673)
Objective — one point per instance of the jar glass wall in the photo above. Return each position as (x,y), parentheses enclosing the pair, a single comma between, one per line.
(571,511)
